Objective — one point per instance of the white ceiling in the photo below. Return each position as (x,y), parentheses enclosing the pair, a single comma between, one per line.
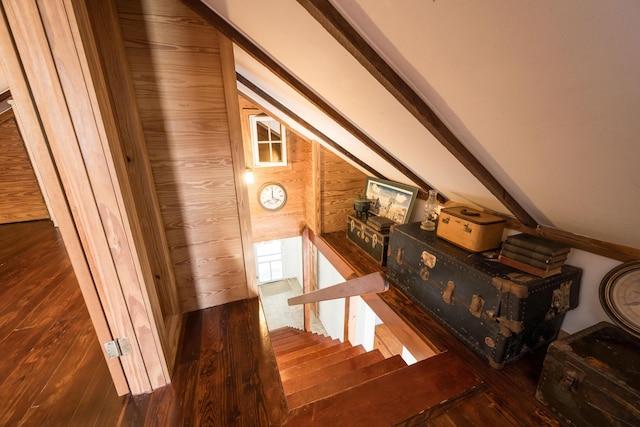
(543,93)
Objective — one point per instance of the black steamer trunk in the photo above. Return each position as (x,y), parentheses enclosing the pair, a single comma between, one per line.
(499,312)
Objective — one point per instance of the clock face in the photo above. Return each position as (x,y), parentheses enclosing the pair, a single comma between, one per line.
(272,196)
(620,296)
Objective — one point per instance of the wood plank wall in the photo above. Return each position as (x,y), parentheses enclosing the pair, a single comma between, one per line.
(174,58)
(20,195)
(341,183)
(290,220)
(320,185)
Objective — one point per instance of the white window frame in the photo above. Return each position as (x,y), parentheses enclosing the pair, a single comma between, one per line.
(254,119)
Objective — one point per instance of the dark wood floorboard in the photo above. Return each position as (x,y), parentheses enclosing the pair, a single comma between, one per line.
(52,370)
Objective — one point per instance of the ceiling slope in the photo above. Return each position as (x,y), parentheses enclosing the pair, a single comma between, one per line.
(543,94)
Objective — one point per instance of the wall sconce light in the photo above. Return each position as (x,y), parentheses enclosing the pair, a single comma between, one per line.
(248,176)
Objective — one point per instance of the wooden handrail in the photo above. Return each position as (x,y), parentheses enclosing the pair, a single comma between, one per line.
(370,284)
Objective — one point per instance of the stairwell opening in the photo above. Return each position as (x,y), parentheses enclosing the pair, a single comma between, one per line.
(279,269)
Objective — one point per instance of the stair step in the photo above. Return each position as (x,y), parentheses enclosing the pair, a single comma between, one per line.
(289,338)
(302,356)
(285,331)
(313,365)
(344,382)
(332,371)
(301,342)
(306,350)
(392,398)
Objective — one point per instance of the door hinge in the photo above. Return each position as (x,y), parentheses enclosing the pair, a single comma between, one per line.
(118,347)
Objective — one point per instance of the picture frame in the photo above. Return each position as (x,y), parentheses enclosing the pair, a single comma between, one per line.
(390,199)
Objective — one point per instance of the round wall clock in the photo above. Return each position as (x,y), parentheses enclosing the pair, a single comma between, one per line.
(272,196)
(620,296)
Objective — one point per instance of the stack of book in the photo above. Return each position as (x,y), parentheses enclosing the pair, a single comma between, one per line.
(534,255)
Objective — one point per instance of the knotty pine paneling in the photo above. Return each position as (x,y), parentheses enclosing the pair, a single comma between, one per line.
(341,183)
(20,195)
(175,64)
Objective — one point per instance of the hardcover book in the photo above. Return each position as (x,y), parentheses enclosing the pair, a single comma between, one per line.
(547,259)
(558,262)
(528,268)
(538,244)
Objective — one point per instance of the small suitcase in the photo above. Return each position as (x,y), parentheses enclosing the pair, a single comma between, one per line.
(470,229)
(496,310)
(592,378)
(370,240)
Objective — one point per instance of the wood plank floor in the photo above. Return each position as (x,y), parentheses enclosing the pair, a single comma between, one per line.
(52,371)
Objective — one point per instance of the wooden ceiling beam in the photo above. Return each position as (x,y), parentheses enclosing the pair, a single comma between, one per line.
(350,39)
(238,38)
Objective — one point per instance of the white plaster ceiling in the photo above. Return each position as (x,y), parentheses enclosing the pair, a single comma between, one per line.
(544,93)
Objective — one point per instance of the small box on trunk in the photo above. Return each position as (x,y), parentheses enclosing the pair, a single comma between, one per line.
(470,229)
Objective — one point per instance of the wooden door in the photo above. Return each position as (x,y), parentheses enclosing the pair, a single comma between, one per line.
(64,110)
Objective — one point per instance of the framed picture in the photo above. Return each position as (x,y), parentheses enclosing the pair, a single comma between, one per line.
(390,199)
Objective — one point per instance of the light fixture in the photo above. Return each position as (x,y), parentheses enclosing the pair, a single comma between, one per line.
(248,176)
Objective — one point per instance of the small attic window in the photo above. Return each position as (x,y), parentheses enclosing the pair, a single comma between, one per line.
(268,141)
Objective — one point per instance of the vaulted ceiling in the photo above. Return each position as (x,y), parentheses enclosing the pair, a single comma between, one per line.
(543,94)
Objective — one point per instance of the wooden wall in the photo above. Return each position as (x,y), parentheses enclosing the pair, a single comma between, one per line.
(320,185)
(20,195)
(175,62)
(341,183)
(290,220)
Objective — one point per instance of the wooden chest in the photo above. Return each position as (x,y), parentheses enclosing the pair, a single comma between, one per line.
(470,229)
(592,378)
(373,242)
(499,312)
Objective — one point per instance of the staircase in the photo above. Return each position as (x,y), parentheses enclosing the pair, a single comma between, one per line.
(329,383)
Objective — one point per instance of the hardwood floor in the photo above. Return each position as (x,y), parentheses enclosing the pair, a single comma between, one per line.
(53,372)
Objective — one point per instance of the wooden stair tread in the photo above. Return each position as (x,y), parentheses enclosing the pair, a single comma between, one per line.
(319,363)
(298,344)
(392,398)
(344,382)
(284,330)
(307,350)
(275,337)
(332,371)
(284,340)
(306,356)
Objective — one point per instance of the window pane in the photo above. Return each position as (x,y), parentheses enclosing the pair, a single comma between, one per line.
(263,153)
(275,131)
(276,152)
(264,272)
(262,131)
(267,258)
(276,270)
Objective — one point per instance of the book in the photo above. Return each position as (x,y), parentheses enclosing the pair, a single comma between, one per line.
(538,244)
(547,259)
(527,268)
(532,261)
